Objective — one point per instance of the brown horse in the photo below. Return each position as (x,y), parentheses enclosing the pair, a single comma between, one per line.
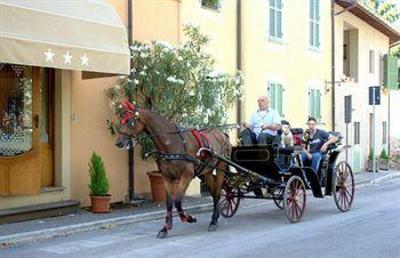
(168,139)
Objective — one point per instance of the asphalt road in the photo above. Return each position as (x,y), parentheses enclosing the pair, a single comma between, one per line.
(370,229)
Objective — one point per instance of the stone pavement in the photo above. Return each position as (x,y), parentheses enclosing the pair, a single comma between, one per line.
(84,220)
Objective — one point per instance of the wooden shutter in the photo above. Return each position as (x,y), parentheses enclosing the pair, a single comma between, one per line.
(279,99)
(318,105)
(279,18)
(272,32)
(390,78)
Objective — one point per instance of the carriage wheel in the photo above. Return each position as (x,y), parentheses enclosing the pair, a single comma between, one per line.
(279,201)
(229,202)
(294,200)
(343,183)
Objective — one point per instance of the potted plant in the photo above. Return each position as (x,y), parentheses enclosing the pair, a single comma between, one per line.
(371,161)
(99,186)
(158,190)
(383,160)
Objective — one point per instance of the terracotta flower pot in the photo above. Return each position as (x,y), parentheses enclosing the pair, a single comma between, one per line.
(158,191)
(100,204)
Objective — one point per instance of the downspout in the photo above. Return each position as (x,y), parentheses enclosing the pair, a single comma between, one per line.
(131,151)
(238,56)
(333,62)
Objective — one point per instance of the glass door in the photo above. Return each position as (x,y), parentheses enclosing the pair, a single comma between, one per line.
(19,129)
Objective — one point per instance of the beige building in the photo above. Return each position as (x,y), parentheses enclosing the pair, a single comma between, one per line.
(51,118)
(287,55)
(362,42)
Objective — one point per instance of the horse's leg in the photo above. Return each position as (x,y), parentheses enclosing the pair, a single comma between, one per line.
(168,217)
(214,184)
(185,180)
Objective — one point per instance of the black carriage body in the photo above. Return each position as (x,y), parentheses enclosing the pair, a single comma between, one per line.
(259,159)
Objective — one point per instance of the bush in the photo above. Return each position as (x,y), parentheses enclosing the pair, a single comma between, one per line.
(371,154)
(98,180)
(214,4)
(180,83)
(383,155)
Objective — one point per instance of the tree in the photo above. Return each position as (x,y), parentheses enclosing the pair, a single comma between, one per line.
(179,83)
(386,9)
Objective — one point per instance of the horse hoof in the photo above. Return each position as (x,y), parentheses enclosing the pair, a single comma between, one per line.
(188,219)
(212,228)
(162,234)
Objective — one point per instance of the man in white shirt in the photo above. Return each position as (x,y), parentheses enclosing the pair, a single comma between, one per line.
(263,125)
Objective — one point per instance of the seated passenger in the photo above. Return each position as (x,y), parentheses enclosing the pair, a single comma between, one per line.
(263,125)
(317,144)
(286,136)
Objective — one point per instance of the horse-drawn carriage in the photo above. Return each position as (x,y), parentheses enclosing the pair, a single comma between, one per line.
(261,172)
(264,172)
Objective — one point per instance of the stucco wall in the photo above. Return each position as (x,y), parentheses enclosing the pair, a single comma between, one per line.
(153,20)
(291,62)
(368,39)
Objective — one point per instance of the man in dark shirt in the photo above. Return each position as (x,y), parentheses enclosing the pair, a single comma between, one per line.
(318,144)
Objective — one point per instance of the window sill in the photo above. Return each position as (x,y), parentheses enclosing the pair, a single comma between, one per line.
(276,40)
(315,49)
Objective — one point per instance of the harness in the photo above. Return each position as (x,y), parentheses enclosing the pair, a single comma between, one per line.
(202,160)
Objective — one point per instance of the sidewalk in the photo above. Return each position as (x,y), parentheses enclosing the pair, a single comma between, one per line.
(84,220)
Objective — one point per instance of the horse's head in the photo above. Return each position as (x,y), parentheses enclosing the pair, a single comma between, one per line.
(130,125)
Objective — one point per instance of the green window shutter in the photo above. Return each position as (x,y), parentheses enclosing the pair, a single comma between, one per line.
(312,102)
(318,105)
(279,23)
(390,71)
(271,93)
(310,106)
(279,99)
(271,22)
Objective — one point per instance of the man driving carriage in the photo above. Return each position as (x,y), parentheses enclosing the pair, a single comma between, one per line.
(317,142)
(263,125)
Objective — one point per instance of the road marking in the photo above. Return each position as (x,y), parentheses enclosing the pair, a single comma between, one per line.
(81,245)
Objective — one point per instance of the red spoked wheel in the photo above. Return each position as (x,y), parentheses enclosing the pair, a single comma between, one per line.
(229,202)
(294,200)
(343,186)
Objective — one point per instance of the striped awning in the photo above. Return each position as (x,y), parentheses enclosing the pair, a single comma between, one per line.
(84,35)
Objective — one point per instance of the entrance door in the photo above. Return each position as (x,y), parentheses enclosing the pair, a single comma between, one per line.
(47,126)
(20,159)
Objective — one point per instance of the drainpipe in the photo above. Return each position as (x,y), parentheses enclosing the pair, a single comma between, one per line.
(333,62)
(239,56)
(131,151)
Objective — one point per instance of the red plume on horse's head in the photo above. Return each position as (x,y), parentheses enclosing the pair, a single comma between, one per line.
(128,111)
(128,106)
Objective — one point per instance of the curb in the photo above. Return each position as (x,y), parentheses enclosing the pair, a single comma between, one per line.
(22,238)
(385,178)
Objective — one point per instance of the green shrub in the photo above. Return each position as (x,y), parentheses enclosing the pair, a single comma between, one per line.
(371,154)
(214,4)
(383,155)
(98,180)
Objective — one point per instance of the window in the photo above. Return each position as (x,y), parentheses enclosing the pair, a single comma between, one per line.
(15,109)
(371,61)
(314,23)
(275,93)
(315,104)
(384,132)
(275,19)
(212,4)
(356,133)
